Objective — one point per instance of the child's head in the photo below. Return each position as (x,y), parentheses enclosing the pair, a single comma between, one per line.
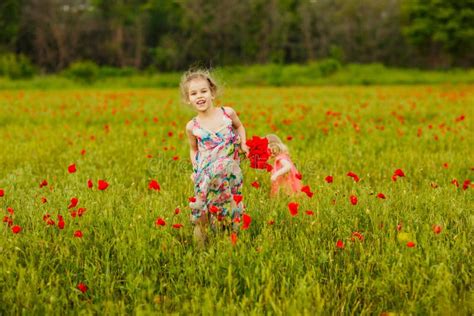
(275,145)
(195,80)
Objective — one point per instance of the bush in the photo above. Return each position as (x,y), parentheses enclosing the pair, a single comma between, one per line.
(107,72)
(83,71)
(328,66)
(16,66)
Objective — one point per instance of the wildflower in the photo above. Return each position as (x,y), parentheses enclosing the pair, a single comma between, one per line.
(329,179)
(154,185)
(381,196)
(255,184)
(353,176)
(78,234)
(71,168)
(247,220)
(353,199)
(160,222)
(293,208)
(102,184)
(306,189)
(340,244)
(74,202)
(16,229)
(82,287)
(410,244)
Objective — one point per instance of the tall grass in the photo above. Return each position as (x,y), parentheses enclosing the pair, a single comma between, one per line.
(293,266)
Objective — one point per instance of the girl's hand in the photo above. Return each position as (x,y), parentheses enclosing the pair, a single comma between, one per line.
(192,177)
(245,149)
(274,177)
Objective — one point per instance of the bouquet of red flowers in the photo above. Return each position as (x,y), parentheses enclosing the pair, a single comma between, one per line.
(258,153)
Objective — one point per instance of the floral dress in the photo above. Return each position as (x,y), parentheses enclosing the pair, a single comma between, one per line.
(217,176)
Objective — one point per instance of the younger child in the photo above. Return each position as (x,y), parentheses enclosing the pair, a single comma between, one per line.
(284,175)
(215,135)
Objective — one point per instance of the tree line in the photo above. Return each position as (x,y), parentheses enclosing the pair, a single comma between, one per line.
(173,34)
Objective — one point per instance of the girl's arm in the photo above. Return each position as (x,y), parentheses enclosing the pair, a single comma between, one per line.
(193,149)
(239,127)
(286,167)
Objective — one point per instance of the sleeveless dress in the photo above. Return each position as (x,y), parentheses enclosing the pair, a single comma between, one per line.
(288,183)
(217,176)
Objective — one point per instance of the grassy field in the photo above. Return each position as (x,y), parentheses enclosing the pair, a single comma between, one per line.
(410,253)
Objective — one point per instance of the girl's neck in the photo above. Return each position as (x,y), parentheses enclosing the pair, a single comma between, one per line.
(208,113)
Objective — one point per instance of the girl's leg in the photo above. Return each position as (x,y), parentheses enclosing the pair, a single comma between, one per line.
(200,230)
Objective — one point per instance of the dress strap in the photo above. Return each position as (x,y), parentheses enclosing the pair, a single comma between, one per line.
(225,113)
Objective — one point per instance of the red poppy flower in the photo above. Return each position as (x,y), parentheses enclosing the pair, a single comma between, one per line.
(397,173)
(410,244)
(399,227)
(60,222)
(329,179)
(177,211)
(255,184)
(90,184)
(154,185)
(299,176)
(83,152)
(269,167)
(358,236)
(289,137)
(78,234)
(71,168)
(466,184)
(236,220)
(460,118)
(177,225)
(353,176)
(192,199)
(160,222)
(2,192)
(82,287)
(271,222)
(437,229)
(175,158)
(102,184)
(258,152)
(455,182)
(309,212)
(5,219)
(246,221)
(353,199)
(340,244)
(81,211)
(233,238)
(16,229)
(306,189)
(10,210)
(43,200)
(237,198)
(381,196)
(445,165)
(74,202)
(293,208)
(43,183)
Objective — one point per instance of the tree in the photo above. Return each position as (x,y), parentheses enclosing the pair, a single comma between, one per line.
(441,26)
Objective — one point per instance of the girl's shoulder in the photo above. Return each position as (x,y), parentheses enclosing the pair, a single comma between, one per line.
(190,124)
(228,110)
(283,156)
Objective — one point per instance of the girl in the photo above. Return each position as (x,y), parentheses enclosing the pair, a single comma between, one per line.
(214,135)
(284,176)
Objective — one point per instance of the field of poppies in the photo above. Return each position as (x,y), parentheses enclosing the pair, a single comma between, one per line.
(94,190)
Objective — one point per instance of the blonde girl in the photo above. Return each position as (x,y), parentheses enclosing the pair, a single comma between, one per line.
(215,135)
(284,175)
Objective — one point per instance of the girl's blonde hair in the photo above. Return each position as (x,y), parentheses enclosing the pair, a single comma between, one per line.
(192,74)
(276,145)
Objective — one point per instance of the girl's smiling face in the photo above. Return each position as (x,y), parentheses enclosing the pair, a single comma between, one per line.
(200,95)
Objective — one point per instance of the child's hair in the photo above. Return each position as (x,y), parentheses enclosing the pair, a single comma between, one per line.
(192,74)
(276,145)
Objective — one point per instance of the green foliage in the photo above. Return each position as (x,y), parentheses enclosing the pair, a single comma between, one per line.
(448,23)
(86,72)
(16,66)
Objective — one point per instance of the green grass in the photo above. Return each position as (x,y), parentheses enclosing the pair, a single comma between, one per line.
(323,73)
(291,267)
